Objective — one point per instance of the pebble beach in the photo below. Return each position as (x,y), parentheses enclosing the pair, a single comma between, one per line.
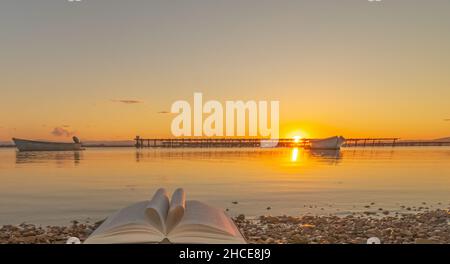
(428,227)
(431,227)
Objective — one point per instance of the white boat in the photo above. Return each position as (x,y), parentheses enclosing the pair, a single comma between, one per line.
(32,145)
(327,143)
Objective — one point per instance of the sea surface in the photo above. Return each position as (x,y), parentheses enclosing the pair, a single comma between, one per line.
(57,187)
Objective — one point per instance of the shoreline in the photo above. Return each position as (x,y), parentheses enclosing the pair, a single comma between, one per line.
(429,227)
(402,144)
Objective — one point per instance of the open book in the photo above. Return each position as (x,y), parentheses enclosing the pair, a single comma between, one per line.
(161,220)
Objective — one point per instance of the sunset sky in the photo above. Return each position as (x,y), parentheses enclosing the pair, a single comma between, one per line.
(110,69)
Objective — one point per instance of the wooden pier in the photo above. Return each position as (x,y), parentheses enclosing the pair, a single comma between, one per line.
(365,142)
(213,142)
(392,142)
(282,142)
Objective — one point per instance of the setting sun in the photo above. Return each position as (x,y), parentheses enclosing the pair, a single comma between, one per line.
(297,135)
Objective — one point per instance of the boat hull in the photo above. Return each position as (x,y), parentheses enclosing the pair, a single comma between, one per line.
(328,143)
(31,145)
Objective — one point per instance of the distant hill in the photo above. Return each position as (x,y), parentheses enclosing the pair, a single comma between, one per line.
(443,139)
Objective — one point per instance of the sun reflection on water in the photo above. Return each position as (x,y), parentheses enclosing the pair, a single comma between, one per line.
(294,154)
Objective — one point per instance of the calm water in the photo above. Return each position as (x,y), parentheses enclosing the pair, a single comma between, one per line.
(54,188)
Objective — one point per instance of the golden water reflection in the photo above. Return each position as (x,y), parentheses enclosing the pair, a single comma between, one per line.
(60,158)
(56,187)
(294,155)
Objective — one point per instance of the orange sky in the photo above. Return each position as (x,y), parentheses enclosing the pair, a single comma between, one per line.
(104,71)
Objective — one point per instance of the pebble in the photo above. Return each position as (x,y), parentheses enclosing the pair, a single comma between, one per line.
(240,217)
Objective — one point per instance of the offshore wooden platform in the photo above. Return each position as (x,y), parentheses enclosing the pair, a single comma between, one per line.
(282,142)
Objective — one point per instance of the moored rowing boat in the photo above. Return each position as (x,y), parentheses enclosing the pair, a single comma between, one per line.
(32,145)
(327,143)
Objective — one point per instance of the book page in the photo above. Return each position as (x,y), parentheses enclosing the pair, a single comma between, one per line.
(202,222)
(176,209)
(124,222)
(157,210)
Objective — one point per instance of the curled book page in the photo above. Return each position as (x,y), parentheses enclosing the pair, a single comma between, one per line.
(176,209)
(157,210)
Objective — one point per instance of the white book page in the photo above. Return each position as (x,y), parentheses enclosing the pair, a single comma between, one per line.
(129,218)
(201,218)
(157,209)
(127,237)
(176,209)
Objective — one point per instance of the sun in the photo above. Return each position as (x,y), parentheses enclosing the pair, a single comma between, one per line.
(297,135)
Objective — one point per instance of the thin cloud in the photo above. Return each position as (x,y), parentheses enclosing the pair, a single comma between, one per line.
(163,112)
(61,132)
(447,119)
(126,101)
